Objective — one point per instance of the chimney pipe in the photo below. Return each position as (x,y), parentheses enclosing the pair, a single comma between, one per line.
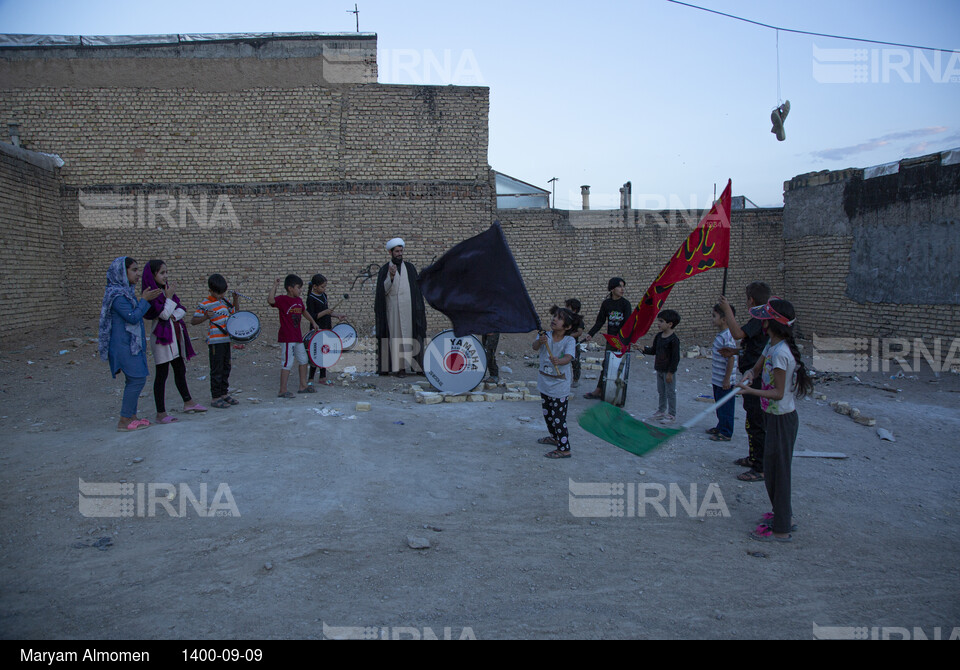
(14,134)
(585,193)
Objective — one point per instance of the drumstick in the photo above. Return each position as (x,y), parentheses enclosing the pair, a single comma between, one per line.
(346,296)
(550,351)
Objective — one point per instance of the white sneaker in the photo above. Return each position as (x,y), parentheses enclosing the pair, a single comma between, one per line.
(668,418)
(657,416)
(777,117)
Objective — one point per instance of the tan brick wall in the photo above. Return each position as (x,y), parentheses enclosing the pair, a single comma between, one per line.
(32,271)
(561,260)
(182,136)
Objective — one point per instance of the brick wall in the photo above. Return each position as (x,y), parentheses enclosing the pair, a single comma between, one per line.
(32,270)
(566,254)
(875,257)
(111,136)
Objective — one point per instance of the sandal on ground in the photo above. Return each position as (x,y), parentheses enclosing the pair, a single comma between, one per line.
(547,440)
(287,395)
(132,426)
(196,409)
(593,395)
(556,453)
(744,462)
(718,437)
(712,431)
(326,382)
(309,389)
(767,522)
(764,534)
(220,403)
(230,399)
(168,419)
(750,476)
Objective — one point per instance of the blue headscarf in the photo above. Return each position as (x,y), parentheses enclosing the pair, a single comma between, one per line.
(117,285)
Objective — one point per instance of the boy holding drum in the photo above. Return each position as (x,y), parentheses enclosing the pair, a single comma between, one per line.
(215,310)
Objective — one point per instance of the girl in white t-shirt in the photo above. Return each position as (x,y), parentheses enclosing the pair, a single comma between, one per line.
(553,381)
(784,378)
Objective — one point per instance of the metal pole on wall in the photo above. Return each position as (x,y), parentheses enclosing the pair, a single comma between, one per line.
(554,182)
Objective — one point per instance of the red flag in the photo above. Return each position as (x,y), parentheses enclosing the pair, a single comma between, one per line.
(707,247)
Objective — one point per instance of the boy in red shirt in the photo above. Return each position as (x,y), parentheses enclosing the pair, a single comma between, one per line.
(291,310)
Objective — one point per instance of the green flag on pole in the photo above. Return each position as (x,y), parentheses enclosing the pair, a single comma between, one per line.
(615,426)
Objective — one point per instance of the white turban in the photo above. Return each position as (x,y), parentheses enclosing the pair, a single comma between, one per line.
(395,242)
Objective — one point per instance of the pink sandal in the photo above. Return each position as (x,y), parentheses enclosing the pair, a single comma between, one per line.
(132,426)
(168,419)
(196,409)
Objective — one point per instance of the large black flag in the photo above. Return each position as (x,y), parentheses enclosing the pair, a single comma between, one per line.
(477,284)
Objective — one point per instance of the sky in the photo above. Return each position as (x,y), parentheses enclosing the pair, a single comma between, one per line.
(673,99)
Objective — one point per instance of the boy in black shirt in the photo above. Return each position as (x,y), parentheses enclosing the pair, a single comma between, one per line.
(753,340)
(666,348)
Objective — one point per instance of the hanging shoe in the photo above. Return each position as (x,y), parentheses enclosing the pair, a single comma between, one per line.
(777,117)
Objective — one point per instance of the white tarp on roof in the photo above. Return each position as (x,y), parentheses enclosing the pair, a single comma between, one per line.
(951,157)
(39,40)
(881,170)
(134,40)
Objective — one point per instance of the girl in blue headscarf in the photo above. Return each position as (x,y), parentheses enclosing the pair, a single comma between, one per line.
(122,336)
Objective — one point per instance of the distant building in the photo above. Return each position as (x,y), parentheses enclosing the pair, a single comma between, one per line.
(515,194)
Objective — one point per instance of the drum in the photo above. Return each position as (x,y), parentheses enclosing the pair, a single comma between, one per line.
(615,382)
(243,327)
(454,364)
(347,333)
(323,348)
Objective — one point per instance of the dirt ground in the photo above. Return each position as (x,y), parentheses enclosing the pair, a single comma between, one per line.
(329,506)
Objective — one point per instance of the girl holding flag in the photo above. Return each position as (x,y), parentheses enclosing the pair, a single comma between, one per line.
(784,378)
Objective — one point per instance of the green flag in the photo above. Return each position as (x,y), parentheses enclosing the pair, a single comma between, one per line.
(615,426)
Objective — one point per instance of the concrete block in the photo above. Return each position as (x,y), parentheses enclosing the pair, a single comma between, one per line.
(493,397)
(363,407)
(513,397)
(455,398)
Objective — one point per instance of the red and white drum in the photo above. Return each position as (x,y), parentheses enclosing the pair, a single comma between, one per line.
(347,333)
(454,364)
(323,348)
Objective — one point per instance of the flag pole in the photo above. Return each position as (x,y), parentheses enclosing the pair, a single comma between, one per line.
(695,420)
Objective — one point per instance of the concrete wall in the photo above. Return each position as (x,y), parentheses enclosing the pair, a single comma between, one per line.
(875,257)
(32,268)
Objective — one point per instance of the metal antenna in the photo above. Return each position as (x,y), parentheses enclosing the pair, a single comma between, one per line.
(356,12)
(554,182)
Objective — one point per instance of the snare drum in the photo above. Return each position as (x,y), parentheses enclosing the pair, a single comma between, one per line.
(617,370)
(243,327)
(347,333)
(454,364)
(323,348)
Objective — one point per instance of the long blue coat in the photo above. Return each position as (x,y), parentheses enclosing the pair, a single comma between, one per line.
(122,312)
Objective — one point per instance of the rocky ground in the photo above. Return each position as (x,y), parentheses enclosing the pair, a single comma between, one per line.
(415,520)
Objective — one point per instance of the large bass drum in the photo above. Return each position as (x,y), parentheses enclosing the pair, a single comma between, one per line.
(454,364)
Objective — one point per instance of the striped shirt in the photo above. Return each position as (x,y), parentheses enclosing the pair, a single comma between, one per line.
(219,312)
(721,341)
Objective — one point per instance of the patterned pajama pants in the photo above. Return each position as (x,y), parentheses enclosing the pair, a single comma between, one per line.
(555,415)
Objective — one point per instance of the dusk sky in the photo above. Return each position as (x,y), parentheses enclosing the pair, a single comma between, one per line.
(668,97)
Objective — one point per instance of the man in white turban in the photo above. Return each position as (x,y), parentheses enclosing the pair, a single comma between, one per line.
(400,315)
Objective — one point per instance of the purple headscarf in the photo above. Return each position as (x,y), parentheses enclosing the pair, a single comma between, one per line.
(164,328)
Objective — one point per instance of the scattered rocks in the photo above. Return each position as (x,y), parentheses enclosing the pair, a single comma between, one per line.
(419,543)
